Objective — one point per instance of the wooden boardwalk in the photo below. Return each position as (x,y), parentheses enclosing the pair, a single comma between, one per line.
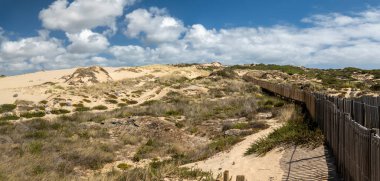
(351,127)
(300,163)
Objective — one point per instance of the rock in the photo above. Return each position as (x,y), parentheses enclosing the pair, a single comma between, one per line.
(266,115)
(233,132)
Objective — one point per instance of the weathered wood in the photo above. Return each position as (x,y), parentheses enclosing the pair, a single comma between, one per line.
(240,178)
(351,128)
(226,176)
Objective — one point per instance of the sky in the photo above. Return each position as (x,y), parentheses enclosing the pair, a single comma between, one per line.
(57,34)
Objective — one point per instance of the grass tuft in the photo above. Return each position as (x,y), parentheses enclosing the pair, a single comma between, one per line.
(296,131)
(7,108)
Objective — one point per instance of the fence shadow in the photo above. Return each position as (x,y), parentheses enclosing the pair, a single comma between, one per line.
(308,164)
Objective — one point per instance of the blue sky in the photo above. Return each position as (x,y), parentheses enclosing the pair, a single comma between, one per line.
(55,34)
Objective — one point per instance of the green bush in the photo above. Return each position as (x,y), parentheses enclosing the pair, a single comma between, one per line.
(100,107)
(224,143)
(43,102)
(7,108)
(35,147)
(81,109)
(78,105)
(124,166)
(9,117)
(37,114)
(173,113)
(279,104)
(294,132)
(111,101)
(225,73)
(60,111)
(122,104)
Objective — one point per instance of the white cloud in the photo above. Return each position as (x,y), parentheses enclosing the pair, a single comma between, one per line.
(87,42)
(43,52)
(153,25)
(82,14)
(332,40)
(329,40)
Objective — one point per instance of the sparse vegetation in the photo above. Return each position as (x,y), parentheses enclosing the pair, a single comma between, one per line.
(296,131)
(82,109)
(33,114)
(124,166)
(100,107)
(9,117)
(111,101)
(43,102)
(60,111)
(7,108)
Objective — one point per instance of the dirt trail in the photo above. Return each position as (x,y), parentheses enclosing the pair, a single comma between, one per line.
(253,167)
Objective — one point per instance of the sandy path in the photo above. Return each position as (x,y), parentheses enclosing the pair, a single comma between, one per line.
(253,167)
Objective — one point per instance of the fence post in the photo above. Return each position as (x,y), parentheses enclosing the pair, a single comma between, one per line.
(226,175)
(378,115)
(240,178)
(376,131)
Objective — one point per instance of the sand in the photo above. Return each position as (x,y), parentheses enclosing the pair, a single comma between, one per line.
(31,86)
(252,167)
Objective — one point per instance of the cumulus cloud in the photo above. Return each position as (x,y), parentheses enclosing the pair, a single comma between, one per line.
(329,40)
(332,40)
(44,52)
(82,14)
(153,25)
(87,42)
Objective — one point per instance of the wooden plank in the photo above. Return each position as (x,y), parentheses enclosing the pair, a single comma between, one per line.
(226,176)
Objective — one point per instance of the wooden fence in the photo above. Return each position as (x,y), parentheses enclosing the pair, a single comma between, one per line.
(351,128)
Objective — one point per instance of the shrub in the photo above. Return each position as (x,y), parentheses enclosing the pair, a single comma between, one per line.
(279,104)
(128,101)
(173,113)
(100,107)
(375,87)
(35,147)
(33,114)
(60,111)
(179,125)
(111,101)
(92,159)
(7,108)
(122,104)
(81,109)
(112,96)
(124,166)
(43,102)
(224,143)
(225,73)
(9,117)
(78,105)
(62,104)
(86,100)
(246,125)
(145,149)
(131,140)
(37,170)
(295,132)
(39,134)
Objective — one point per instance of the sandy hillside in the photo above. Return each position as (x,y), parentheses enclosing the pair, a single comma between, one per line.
(252,167)
(38,86)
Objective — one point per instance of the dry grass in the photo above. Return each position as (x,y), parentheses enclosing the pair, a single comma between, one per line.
(192,130)
(39,149)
